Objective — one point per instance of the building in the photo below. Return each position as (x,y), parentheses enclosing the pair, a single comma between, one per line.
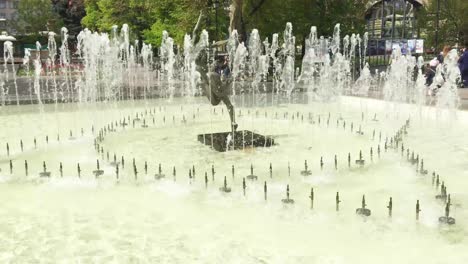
(392,24)
(8,11)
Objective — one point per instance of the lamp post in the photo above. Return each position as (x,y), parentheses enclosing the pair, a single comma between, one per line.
(216,5)
(437,26)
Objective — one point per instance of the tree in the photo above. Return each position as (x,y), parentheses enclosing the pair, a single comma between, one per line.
(35,16)
(270,16)
(101,15)
(178,17)
(453,22)
(148,18)
(236,19)
(71,12)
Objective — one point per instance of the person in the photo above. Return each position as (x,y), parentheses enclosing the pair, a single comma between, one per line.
(443,54)
(446,50)
(431,70)
(440,57)
(463,65)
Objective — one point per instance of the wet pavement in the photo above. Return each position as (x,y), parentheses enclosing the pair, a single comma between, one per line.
(464,98)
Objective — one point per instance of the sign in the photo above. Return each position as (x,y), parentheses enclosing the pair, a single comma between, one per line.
(412,45)
(419,46)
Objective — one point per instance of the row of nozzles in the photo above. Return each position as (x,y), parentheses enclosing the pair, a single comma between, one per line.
(419,163)
(394,141)
(306,172)
(125,121)
(363,210)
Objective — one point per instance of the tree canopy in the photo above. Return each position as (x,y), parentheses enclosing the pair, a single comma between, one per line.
(35,16)
(453,22)
(148,18)
(270,16)
(71,12)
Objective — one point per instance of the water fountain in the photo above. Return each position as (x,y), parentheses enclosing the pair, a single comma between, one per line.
(363,210)
(93,108)
(225,188)
(44,173)
(160,175)
(98,172)
(287,200)
(251,176)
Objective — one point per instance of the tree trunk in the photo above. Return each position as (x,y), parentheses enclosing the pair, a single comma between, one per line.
(197,26)
(236,19)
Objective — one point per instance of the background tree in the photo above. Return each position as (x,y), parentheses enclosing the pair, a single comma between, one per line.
(236,18)
(270,16)
(148,18)
(35,16)
(453,22)
(71,12)
(178,17)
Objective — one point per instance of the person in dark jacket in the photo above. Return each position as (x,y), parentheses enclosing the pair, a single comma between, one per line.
(463,65)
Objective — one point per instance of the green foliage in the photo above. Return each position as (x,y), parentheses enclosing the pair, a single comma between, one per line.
(148,18)
(453,22)
(272,16)
(31,39)
(71,12)
(35,16)
(174,17)
(23,72)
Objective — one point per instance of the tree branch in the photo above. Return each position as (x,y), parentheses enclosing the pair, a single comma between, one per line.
(257,7)
(194,33)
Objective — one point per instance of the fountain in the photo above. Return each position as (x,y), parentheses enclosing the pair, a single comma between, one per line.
(252,176)
(360,161)
(124,111)
(337,201)
(225,188)
(287,200)
(98,172)
(44,173)
(390,207)
(363,210)
(306,171)
(311,196)
(447,219)
(160,175)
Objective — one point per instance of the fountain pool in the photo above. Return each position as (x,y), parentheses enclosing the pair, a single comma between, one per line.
(138,219)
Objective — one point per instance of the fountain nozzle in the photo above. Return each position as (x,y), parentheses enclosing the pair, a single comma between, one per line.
(390,207)
(306,172)
(363,210)
(337,201)
(44,173)
(225,188)
(287,200)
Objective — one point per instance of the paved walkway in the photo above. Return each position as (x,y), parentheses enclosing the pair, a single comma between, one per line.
(464,98)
